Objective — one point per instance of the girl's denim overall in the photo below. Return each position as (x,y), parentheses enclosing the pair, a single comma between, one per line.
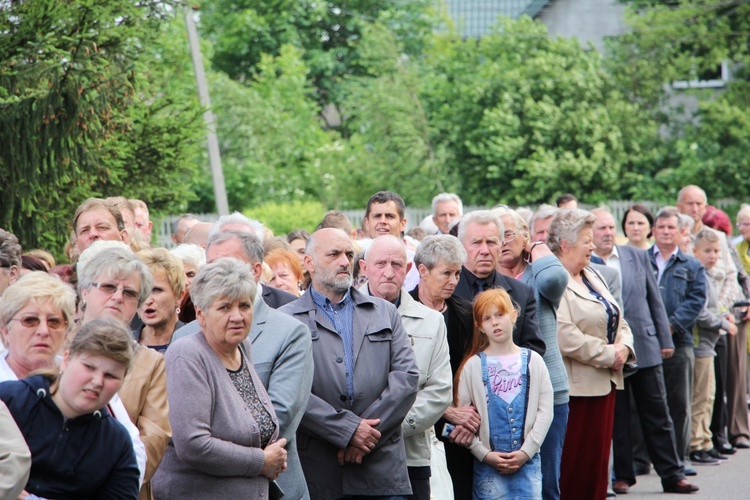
(506,423)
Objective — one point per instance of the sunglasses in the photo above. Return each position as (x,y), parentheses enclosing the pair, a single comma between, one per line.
(111,288)
(33,321)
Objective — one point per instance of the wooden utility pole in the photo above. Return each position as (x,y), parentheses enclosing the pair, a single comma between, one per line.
(214,158)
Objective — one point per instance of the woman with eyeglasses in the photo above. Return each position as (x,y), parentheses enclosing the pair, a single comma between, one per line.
(114,283)
(534,263)
(36,315)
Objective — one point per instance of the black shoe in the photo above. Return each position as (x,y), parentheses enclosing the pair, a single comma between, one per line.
(642,470)
(741,443)
(689,471)
(726,449)
(700,457)
(714,453)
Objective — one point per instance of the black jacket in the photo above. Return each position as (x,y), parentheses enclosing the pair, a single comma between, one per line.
(276,298)
(526,332)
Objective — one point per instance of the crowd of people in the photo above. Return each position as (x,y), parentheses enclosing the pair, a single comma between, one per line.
(495,354)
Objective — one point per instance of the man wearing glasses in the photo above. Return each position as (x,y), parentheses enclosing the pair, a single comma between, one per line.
(480,233)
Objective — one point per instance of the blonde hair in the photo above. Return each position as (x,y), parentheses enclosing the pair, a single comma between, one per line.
(161,259)
(41,287)
(43,255)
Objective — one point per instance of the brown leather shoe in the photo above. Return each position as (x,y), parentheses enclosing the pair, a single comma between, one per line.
(681,486)
(620,487)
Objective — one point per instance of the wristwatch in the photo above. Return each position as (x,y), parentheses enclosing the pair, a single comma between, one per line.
(535,244)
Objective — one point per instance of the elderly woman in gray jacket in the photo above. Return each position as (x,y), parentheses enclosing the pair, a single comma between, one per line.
(224,442)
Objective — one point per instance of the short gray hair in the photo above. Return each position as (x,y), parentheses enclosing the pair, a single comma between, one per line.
(445,197)
(256,227)
(684,221)
(685,189)
(175,225)
(440,248)
(667,212)
(520,223)
(190,253)
(312,242)
(115,263)
(543,212)
(227,277)
(567,226)
(252,246)
(744,212)
(387,237)
(481,217)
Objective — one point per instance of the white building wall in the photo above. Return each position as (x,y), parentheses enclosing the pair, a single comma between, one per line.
(590,21)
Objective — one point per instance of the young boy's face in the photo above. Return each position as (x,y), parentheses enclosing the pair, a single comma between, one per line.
(707,253)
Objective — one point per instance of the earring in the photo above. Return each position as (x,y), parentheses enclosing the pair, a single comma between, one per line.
(177,310)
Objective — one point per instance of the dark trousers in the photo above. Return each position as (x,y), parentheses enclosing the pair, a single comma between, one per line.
(419,477)
(586,449)
(719,418)
(640,453)
(678,378)
(647,388)
(460,464)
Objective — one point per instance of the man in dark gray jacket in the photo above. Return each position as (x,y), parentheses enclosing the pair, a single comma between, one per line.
(365,381)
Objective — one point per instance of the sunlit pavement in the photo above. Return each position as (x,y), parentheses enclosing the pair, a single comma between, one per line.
(728,481)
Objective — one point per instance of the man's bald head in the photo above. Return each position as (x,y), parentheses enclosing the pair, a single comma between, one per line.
(329,255)
(198,234)
(692,201)
(385,266)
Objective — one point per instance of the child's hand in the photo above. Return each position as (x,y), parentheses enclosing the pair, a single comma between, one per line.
(732,330)
(493,459)
(509,463)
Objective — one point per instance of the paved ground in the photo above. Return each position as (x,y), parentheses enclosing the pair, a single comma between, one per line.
(728,481)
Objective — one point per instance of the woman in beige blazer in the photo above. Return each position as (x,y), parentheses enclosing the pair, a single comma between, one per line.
(595,342)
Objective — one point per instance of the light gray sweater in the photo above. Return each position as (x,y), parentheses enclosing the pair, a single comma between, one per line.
(215,447)
(711,323)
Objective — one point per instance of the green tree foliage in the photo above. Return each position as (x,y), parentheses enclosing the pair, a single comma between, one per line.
(526,117)
(385,114)
(329,33)
(283,218)
(80,115)
(703,131)
(273,145)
